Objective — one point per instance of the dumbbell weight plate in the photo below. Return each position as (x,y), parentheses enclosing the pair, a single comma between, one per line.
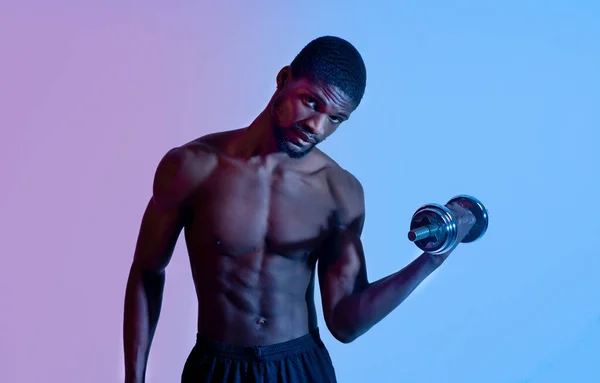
(440,216)
(478,210)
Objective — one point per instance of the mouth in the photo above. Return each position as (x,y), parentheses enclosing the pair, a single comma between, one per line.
(299,137)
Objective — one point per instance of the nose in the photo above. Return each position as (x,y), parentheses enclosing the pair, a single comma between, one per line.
(316,124)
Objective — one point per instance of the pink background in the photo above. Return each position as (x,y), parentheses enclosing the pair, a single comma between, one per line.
(92,96)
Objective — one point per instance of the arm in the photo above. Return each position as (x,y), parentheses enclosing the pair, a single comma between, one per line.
(160,228)
(351,304)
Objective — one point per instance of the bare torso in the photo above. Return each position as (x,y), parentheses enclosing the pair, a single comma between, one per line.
(252,229)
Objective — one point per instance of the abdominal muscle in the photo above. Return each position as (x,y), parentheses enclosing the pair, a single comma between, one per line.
(253,299)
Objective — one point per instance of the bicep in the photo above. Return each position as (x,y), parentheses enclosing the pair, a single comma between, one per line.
(163,219)
(342,267)
(159,231)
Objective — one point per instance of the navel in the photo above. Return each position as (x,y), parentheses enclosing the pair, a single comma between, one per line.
(261,321)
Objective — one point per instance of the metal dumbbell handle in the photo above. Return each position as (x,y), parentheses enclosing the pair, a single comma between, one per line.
(423,232)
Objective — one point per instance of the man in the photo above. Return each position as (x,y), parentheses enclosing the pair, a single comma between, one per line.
(263,211)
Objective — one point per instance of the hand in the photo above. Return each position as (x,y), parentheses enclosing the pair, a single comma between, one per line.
(465,220)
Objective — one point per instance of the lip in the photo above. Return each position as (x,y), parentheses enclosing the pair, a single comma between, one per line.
(301,136)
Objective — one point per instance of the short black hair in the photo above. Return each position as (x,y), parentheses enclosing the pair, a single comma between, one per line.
(334,61)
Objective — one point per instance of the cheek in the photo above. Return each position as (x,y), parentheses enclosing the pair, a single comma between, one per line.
(286,110)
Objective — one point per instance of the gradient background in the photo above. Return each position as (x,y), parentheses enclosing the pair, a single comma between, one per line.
(496,99)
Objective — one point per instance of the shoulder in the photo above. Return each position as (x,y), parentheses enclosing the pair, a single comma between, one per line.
(348,193)
(182,169)
(193,160)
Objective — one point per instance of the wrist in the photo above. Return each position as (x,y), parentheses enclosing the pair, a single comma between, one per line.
(435,260)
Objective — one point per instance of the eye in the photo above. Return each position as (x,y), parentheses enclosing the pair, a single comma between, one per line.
(310,102)
(335,120)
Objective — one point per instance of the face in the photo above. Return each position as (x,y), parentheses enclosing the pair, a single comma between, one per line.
(305,113)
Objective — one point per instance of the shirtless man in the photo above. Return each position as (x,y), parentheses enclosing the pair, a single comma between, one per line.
(264,211)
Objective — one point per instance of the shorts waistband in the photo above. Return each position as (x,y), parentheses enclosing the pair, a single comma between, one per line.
(273,351)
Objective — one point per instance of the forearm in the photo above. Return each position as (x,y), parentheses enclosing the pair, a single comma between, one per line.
(143,299)
(356,314)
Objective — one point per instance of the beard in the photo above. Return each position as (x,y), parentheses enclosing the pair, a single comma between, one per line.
(286,146)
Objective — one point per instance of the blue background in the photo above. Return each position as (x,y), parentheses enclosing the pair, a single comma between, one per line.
(499,100)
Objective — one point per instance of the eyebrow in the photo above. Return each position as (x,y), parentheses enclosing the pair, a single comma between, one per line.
(324,102)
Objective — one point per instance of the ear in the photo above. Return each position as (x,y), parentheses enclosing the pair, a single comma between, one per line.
(284,76)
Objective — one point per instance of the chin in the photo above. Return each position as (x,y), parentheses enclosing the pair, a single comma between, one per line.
(294,152)
(286,146)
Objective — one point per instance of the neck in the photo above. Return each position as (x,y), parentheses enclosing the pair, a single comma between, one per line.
(257,139)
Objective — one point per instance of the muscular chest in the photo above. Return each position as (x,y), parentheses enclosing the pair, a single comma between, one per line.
(248,209)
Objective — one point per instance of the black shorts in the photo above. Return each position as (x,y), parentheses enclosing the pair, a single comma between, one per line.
(301,360)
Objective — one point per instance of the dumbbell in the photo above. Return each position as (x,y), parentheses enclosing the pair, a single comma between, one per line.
(433,226)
